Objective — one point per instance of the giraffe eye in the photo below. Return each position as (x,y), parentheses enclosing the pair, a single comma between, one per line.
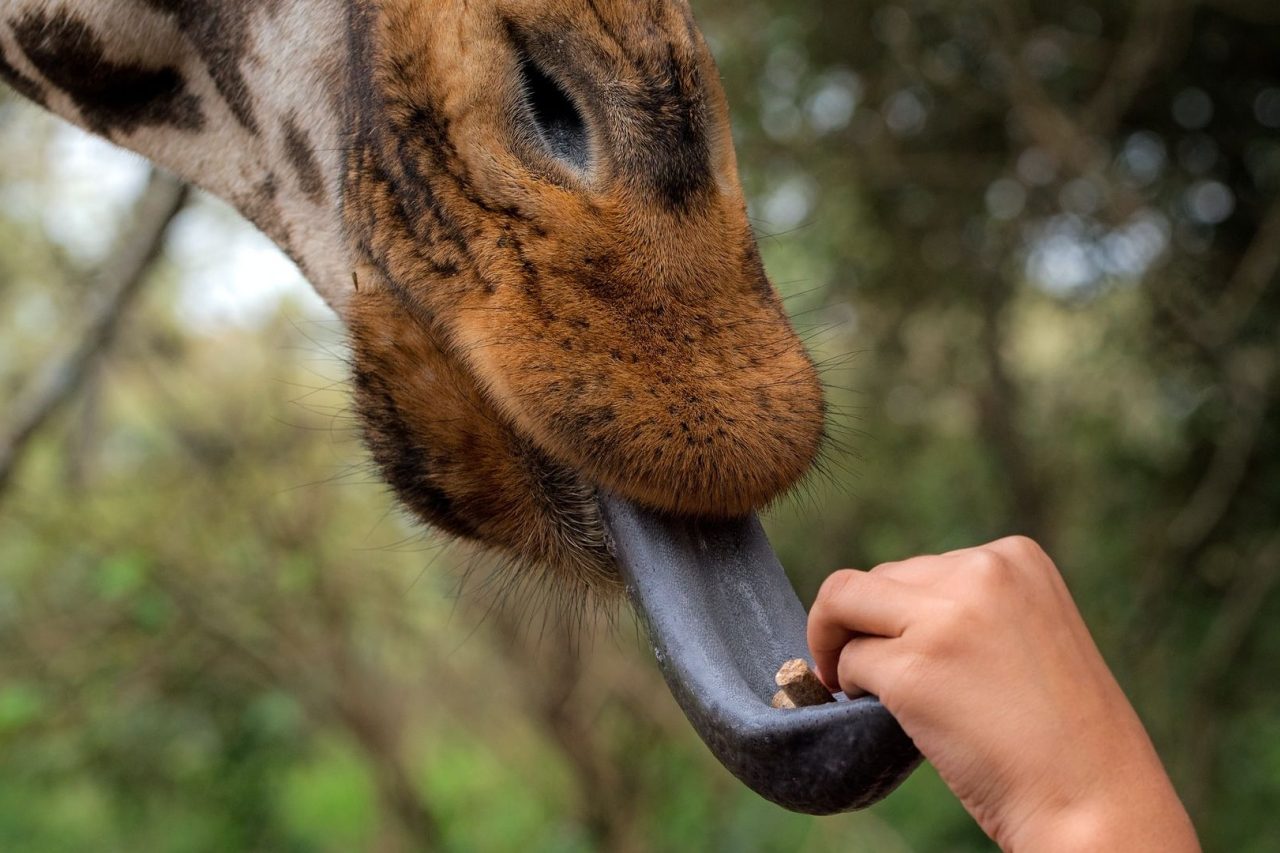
(558,121)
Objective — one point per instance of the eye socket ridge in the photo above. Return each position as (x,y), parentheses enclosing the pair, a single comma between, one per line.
(560,125)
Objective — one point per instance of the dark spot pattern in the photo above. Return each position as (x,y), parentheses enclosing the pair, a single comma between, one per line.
(21,83)
(298,148)
(261,206)
(406,465)
(605,27)
(600,277)
(673,115)
(219,31)
(111,96)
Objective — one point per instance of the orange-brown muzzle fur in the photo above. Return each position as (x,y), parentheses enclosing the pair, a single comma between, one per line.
(561,290)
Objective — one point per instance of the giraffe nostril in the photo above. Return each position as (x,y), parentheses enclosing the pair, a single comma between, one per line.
(558,121)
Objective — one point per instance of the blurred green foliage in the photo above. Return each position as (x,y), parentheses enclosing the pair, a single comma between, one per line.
(1034,246)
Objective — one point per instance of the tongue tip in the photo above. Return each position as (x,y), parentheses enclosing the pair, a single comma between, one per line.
(819,760)
(722,617)
(846,759)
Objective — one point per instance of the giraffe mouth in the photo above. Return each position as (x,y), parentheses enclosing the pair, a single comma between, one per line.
(719,609)
(576,304)
(722,616)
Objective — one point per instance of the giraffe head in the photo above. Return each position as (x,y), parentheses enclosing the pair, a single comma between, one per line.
(565,346)
(562,293)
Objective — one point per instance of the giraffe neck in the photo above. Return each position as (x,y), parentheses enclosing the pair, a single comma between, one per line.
(243,98)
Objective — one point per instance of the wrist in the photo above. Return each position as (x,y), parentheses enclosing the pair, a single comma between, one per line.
(1129,819)
(1108,792)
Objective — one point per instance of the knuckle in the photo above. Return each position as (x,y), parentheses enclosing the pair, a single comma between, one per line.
(990,569)
(1023,548)
(887,568)
(835,585)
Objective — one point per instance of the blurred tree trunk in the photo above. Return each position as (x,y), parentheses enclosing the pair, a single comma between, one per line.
(112,292)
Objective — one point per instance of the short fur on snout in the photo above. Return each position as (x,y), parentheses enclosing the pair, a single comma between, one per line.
(529,328)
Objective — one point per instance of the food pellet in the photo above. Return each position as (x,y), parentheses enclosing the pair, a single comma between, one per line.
(800,686)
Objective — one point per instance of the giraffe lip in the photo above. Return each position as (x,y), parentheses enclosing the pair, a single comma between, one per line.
(722,617)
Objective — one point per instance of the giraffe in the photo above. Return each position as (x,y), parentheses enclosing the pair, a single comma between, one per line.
(565,347)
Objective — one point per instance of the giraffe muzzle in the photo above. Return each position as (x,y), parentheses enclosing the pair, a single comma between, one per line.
(721,616)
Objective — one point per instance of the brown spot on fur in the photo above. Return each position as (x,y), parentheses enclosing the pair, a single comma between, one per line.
(262,208)
(21,83)
(301,154)
(111,96)
(219,30)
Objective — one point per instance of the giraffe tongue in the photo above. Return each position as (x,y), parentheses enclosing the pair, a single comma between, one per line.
(722,617)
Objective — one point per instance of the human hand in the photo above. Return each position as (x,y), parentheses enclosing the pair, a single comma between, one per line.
(984,659)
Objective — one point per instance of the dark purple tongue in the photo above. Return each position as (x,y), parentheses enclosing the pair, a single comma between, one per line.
(722,617)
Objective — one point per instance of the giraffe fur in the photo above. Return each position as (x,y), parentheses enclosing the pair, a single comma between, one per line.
(527,213)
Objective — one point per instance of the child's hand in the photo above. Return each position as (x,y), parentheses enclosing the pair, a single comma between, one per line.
(985,661)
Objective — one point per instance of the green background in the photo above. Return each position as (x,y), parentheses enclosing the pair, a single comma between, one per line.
(1033,245)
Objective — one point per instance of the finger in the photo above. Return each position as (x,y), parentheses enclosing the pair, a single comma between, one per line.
(865,665)
(852,603)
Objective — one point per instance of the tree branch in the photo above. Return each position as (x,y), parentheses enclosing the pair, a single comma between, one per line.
(1250,387)
(1078,139)
(1254,274)
(1153,30)
(116,285)
(1251,383)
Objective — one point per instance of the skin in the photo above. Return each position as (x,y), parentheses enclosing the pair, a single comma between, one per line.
(984,659)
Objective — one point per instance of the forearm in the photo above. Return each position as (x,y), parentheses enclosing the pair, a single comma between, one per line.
(1133,807)
(1158,826)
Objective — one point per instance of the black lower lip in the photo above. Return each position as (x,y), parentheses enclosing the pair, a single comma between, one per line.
(722,617)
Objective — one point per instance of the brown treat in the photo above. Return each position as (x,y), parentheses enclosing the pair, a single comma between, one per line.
(800,686)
